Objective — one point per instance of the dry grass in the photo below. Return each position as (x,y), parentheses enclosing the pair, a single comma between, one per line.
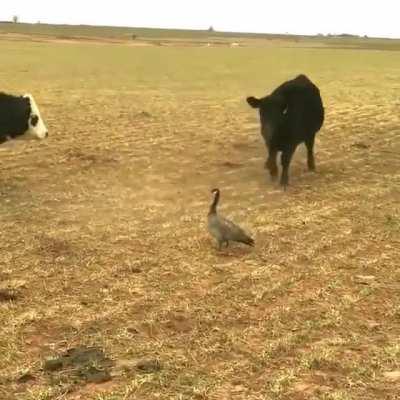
(103,227)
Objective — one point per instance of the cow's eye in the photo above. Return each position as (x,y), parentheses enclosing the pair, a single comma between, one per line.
(34,120)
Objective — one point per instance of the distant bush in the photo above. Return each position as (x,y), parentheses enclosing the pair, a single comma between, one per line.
(15,19)
(347,35)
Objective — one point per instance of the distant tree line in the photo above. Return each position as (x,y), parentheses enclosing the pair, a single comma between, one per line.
(341,35)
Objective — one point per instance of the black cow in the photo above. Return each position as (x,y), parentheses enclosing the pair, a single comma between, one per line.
(20,118)
(292,114)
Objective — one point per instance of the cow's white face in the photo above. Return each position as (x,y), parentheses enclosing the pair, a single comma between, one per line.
(36,127)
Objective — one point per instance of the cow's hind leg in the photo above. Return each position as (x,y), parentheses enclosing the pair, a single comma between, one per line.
(310,153)
(286,157)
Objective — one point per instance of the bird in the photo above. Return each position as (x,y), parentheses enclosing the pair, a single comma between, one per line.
(222,229)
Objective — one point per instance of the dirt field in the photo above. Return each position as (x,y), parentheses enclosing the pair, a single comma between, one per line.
(103,239)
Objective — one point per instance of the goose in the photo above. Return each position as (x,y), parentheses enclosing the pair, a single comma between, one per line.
(222,229)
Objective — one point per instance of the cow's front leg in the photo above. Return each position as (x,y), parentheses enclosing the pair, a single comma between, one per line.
(271,165)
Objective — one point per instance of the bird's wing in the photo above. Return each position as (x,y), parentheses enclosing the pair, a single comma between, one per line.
(231,231)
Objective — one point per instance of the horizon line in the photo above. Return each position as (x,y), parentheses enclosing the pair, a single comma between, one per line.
(320,34)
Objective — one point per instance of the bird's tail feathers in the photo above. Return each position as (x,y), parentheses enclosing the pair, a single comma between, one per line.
(249,241)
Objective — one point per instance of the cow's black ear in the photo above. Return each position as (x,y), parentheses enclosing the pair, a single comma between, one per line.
(254,102)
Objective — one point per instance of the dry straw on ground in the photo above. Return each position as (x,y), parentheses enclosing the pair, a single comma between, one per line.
(103,239)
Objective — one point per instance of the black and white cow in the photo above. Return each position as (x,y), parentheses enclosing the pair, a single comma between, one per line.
(292,114)
(20,118)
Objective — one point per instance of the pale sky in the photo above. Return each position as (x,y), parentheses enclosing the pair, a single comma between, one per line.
(363,17)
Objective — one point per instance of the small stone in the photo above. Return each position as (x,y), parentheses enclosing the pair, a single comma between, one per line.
(373,325)
(95,375)
(238,389)
(133,330)
(302,387)
(25,378)
(52,364)
(392,376)
(7,295)
(361,145)
(122,366)
(364,279)
(149,366)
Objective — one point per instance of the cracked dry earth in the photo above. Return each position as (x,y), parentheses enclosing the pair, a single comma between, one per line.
(103,242)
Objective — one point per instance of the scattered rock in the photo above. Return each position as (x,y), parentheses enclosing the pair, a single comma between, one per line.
(89,363)
(133,330)
(85,356)
(392,376)
(179,324)
(373,325)
(26,377)
(361,145)
(238,389)
(144,114)
(7,295)
(122,366)
(148,365)
(95,375)
(230,164)
(52,364)
(303,387)
(364,279)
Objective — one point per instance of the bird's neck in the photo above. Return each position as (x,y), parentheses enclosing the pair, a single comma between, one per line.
(213,207)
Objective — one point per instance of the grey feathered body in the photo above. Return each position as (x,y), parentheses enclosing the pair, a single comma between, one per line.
(224,230)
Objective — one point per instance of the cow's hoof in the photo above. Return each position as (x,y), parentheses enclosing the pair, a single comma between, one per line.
(284,184)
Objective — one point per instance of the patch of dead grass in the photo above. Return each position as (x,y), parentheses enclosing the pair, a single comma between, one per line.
(104,244)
